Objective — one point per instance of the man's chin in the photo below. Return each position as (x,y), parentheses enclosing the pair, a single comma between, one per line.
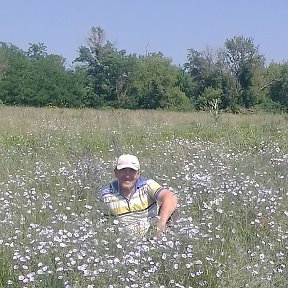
(127,185)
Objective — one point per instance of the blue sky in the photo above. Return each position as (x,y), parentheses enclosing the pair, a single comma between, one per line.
(170,27)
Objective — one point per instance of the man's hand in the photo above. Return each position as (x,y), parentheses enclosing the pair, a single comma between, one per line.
(160,227)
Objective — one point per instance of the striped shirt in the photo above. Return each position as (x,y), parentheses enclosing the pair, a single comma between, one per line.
(136,213)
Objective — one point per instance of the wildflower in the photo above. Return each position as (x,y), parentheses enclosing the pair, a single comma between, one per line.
(30,276)
(199,272)
(218,273)
(170,244)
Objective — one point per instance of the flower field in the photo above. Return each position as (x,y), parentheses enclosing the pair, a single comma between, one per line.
(229,173)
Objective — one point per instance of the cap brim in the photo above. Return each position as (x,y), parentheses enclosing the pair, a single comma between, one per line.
(119,167)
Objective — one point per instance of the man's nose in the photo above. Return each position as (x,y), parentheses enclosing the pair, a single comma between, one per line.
(128,174)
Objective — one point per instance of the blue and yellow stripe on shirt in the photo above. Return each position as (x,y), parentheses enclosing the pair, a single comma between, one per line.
(142,203)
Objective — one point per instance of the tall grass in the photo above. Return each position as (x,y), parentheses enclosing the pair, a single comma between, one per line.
(230,176)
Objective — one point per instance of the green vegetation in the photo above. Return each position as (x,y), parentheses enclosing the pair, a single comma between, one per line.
(229,171)
(235,77)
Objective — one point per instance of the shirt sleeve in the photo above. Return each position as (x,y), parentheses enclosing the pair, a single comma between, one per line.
(154,188)
(102,206)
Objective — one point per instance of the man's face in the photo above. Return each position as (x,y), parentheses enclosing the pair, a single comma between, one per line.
(126,178)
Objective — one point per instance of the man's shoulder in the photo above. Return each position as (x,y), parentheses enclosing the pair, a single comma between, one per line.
(108,188)
(145,180)
(148,184)
(142,180)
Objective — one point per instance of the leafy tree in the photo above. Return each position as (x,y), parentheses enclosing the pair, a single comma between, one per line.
(107,69)
(3,63)
(229,99)
(278,87)
(202,68)
(127,81)
(186,85)
(52,84)
(38,79)
(234,77)
(14,68)
(154,84)
(83,87)
(178,101)
(37,51)
(242,58)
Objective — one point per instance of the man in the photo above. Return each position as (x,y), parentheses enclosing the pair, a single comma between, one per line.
(135,200)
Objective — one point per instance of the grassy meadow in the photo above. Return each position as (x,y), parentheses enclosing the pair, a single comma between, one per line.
(230,174)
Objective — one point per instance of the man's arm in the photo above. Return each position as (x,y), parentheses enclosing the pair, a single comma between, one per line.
(168,201)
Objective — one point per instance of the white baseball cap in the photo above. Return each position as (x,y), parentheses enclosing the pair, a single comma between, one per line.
(128,161)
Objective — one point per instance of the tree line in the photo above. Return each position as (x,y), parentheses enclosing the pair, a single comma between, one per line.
(234,77)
